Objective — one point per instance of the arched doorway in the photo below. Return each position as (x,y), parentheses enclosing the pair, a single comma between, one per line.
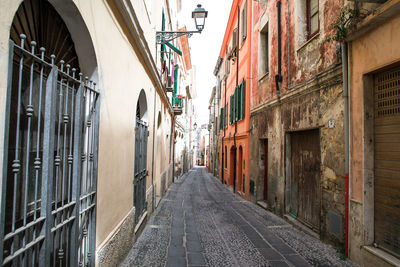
(141,135)
(50,161)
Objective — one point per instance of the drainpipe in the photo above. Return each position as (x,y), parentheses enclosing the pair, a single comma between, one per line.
(173,148)
(278,77)
(288,43)
(152,161)
(345,71)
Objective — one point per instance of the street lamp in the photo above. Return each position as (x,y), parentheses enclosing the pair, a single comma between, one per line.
(199,15)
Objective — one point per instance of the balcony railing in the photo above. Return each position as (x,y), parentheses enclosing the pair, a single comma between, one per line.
(177,105)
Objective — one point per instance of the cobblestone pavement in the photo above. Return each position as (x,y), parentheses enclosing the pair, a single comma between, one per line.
(201,223)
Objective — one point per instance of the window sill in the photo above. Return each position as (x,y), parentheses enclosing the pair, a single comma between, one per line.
(380,253)
(307,42)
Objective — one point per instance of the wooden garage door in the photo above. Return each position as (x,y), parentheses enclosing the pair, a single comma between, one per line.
(387,160)
(305,178)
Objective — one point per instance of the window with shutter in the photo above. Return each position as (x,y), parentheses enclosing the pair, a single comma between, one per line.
(244,22)
(243,99)
(312,18)
(234,41)
(237,103)
(221,123)
(231,111)
(226,115)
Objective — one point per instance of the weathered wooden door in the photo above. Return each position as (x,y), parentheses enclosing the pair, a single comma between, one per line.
(305,178)
(266,170)
(387,160)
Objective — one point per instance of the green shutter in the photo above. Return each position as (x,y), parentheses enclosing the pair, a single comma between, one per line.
(243,99)
(221,117)
(244,29)
(176,79)
(163,48)
(237,101)
(226,115)
(230,111)
(235,108)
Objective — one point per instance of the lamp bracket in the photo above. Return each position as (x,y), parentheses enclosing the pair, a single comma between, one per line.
(163,37)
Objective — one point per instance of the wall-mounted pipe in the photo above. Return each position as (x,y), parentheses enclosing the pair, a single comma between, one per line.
(278,77)
(345,71)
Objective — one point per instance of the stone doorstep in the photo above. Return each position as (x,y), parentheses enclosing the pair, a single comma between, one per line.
(301,226)
(381,254)
(139,224)
(158,199)
(262,204)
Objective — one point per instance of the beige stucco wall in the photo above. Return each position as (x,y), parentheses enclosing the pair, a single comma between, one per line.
(121,77)
(371,52)
(7,10)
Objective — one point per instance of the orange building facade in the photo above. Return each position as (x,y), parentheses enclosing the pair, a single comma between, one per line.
(235,99)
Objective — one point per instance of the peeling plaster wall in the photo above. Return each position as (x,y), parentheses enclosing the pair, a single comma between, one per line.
(311,96)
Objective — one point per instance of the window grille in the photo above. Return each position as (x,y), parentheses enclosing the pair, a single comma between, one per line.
(50,163)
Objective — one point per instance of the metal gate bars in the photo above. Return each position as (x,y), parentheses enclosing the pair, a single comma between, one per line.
(141,134)
(48,201)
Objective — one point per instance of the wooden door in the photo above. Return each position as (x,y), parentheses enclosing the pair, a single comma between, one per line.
(305,178)
(266,170)
(387,160)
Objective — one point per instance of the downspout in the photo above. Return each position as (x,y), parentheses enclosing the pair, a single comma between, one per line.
(278,77)
(288,45)
(152,161)
(173,149)
(345,71)
(237,83)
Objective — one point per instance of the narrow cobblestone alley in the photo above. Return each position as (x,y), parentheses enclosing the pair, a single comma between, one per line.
(201,223)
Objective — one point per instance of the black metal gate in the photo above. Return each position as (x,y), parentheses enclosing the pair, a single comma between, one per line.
(139,181)
(48,201)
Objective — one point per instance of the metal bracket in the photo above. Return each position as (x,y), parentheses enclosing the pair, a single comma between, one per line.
(162,37)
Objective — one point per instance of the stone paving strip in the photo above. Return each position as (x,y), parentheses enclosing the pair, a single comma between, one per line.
(199,222)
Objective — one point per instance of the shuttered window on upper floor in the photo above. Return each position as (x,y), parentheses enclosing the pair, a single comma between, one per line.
(244,22)
(238,103)
(312,18)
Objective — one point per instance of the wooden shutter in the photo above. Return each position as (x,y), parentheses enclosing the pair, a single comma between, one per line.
(239,97)
(243,99)
(237,103)
(226,115)
(234,39)
(231,111)
(244,22)
(221,123)
(387,160)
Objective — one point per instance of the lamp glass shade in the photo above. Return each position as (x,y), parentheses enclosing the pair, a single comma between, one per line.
(199,15)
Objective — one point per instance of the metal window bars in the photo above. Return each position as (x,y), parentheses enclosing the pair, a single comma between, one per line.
(48,201)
